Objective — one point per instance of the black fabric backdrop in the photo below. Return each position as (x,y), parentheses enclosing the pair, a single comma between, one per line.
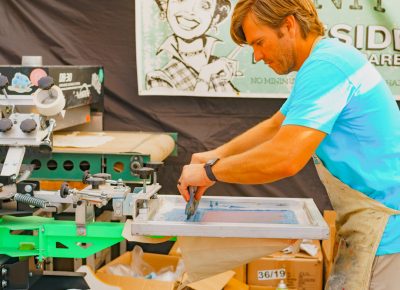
(84,32)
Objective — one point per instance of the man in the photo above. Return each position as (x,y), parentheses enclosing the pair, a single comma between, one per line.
(339,109)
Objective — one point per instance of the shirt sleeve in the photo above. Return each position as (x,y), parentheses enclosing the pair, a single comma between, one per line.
(320,93)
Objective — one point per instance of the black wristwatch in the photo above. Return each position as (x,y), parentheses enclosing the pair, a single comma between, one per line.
(209,164)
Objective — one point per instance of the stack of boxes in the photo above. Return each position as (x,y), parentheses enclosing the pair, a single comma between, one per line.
(299,271)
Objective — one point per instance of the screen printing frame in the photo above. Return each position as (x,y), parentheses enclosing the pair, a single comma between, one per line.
(311,224)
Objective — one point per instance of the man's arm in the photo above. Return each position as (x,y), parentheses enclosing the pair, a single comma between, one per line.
(258,134)
(282,156)
(251,138)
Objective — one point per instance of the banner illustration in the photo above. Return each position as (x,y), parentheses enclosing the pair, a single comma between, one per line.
(184,47)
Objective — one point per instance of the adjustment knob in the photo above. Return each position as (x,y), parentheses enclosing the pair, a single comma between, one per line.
(95,182)
(5,125)
(28,125)
(144,172)
(86,175)
(46,83)
(64,190)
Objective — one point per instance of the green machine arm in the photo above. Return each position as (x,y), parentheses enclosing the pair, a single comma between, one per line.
(46,237)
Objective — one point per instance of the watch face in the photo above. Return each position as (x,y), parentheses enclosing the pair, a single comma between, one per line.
(211,162)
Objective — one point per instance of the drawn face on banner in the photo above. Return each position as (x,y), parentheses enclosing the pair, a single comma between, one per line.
(189,19)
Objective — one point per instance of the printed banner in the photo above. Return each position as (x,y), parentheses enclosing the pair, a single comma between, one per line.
(183,47)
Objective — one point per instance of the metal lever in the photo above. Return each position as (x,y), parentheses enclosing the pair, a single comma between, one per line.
(46,146)
(192,204)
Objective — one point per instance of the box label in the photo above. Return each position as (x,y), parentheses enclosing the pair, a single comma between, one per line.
(271,274)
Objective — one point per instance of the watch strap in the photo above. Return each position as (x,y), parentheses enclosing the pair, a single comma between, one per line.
(208,168)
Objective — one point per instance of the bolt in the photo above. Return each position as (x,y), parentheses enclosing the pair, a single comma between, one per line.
(3,271)
(28,188)
(30,274)
(4,283)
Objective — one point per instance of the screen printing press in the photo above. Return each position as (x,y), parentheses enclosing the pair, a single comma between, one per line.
(36,157)
(122,178)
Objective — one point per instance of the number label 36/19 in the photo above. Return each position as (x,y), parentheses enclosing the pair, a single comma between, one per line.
(271,274)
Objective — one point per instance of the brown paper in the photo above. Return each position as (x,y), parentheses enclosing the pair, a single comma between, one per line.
(216,282)
(158,145)
(205,257)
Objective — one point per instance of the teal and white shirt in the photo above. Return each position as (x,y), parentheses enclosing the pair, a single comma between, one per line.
(337,91)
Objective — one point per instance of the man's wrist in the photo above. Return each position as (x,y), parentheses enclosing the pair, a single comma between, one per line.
(208,169)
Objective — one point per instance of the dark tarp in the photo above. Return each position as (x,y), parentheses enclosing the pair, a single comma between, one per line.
(79,32)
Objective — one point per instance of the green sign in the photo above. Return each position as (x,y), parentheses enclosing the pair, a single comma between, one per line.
(180,42)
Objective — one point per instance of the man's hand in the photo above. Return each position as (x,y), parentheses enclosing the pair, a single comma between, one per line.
(193,175)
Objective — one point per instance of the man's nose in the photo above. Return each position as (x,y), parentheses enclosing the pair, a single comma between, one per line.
(257,55)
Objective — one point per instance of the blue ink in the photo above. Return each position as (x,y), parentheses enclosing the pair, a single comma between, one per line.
(232,216)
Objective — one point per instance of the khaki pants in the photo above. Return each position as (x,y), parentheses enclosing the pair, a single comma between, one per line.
(385,273)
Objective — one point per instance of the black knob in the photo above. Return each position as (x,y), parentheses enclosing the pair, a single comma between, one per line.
(28,125)
(105,176)
(156,165)
(95,182)
(86,175)
(5,125)
(46,83)
(64,190)
(3,82)
(144,172)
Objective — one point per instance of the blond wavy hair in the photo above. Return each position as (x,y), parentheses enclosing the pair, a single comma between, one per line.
(273,13)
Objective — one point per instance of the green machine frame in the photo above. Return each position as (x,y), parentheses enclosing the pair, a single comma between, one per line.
(47,237)
(71,166)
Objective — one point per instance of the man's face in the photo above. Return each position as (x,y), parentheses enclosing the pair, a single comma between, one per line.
(190,18)
(274,47)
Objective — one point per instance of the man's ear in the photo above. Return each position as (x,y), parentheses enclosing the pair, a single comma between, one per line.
(289,24)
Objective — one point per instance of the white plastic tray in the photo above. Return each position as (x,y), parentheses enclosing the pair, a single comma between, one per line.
(246,217)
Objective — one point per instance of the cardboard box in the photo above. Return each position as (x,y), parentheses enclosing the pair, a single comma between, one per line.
(235,284)
(127,283)
(329,246)
(254,287)
(300,270)
(240,272)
